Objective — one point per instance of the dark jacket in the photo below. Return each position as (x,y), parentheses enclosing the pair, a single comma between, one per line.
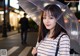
(24,23)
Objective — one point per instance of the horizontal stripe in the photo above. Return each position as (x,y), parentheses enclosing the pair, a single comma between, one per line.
(43,54)
(51,40)
(53,45)
(64,41)
(62,51)
(44,51)
(64,44)
(45,48)
(50,43)
(64,48)
(48,46)
(64,54)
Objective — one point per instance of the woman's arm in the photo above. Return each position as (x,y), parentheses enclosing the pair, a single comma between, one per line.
(37,44)
(34,50)
(64,49)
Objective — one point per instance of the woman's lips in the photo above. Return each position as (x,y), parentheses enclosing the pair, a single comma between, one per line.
(48,25)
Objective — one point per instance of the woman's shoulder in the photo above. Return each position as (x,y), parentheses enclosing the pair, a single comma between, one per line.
(64,36)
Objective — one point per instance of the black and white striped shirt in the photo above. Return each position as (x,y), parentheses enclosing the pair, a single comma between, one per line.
(47,47)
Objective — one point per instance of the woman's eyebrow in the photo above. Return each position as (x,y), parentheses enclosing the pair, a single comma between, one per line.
(52,16)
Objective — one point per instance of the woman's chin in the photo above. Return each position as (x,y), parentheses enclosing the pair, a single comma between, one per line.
(48,28)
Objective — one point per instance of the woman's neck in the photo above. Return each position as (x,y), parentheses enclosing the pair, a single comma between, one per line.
(51,33)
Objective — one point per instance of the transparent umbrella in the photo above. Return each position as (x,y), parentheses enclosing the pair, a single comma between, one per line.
(34,7)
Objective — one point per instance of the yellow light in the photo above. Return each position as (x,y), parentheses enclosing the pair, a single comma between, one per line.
(18,16)
(1,12)
(28,16)
(2,19)
(66,20)
(34,18)
(21,13)
(17,11)
(73,9)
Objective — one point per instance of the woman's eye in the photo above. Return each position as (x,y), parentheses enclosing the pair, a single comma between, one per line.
(51,18)
(44,18)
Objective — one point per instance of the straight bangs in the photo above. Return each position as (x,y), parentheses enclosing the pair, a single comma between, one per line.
(54,10)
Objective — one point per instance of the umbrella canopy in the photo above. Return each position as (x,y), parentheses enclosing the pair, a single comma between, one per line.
(34,7)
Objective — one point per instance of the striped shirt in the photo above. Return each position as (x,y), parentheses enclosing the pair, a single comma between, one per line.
(47,47)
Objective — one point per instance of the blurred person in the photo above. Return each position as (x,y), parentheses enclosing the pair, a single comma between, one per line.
(24,28)
(8,26)
(53,40)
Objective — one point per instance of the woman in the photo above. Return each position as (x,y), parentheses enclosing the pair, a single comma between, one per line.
(49,33)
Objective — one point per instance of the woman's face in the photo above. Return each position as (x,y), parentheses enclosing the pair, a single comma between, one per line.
(48,20)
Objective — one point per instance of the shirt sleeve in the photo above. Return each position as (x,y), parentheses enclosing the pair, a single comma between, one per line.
(64,49)
(37,44)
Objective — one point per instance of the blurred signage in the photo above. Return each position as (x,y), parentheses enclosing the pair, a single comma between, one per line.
(14,4)
(71,0)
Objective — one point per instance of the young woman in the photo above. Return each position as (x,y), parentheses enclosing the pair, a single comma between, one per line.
(49,33)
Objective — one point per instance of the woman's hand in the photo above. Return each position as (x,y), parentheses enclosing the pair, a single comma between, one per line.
(34,51)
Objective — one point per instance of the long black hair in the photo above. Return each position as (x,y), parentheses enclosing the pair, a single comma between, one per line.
(55,12)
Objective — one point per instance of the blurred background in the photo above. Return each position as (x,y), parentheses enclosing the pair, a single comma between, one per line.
(10,14)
